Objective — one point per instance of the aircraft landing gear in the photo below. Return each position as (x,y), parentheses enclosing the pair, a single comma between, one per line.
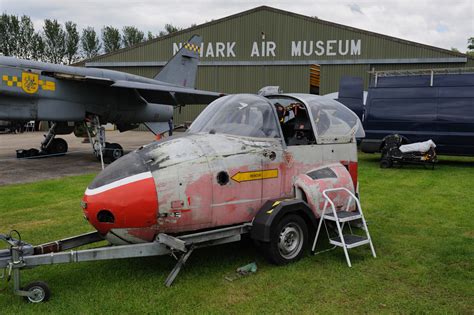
(103,151)
(50,146)
(113,151)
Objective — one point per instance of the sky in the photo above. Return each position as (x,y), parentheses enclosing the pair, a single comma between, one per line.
(439,23)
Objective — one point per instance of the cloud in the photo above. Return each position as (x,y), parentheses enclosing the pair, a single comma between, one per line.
(441,28)
(439,23)
(355,8)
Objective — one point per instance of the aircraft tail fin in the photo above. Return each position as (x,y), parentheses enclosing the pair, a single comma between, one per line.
(182,68)
(351,94)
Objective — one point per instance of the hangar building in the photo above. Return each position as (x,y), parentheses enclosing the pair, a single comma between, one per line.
(267,46)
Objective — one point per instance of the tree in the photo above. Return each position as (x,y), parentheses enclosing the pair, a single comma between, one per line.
(169,28)
(25,38)
(470,43)
(455,49)
(14,30)
(132,36)
(90,42)
(72,42)
(150,35)
(37,47)
(4,19)
(54,41)
(9,34)
(110,38)
(18,38)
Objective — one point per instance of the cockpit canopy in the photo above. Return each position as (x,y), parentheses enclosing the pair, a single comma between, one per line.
(320,119)
(245,115)
(334,122)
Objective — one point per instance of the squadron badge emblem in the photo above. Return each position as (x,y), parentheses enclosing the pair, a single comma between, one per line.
(29,82)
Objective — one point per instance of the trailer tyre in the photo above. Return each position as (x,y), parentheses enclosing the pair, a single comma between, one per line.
(40,292)
(288,240)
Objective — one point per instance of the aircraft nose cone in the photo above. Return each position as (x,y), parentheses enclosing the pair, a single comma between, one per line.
(122,196)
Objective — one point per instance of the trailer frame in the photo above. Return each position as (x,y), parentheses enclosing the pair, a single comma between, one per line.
(22,255)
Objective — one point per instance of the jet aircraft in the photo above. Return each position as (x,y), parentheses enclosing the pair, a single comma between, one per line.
(70,97)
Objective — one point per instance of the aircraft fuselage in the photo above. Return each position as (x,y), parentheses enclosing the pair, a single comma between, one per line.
(31,90)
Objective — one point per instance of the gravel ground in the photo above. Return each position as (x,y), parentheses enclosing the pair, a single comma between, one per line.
(79,159)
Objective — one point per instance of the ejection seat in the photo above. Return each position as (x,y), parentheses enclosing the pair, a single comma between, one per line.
(302,131)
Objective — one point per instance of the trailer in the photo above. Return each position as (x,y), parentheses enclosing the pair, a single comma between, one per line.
(22,255)
(274,228)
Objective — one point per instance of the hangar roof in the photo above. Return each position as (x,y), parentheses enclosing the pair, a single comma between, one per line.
(297,39)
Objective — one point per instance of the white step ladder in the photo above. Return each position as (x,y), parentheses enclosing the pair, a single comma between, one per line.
(346,241)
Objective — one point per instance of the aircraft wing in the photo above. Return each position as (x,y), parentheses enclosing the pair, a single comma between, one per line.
(169,94)
(153,93)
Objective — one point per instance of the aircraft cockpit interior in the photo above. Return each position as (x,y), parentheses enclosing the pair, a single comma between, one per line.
(294,120)
(295,124)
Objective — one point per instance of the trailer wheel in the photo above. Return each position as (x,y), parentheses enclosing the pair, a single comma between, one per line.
(40,292)
(288,240)
(386,163)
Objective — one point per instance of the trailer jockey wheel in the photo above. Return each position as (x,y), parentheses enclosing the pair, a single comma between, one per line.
(40,292)
(288,240)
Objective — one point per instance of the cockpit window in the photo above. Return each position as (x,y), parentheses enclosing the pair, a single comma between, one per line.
(334,122)
(294,120)
(242,115)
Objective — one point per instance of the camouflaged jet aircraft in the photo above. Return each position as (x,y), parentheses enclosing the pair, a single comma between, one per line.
(71,97)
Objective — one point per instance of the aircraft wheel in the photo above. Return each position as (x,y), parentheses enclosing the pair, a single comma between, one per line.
(58,146)
(40,292)
(288,240)
(114,151)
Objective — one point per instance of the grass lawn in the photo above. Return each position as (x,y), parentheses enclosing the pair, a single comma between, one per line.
(420,220)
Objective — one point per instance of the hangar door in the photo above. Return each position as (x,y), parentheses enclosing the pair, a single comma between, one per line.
(314,79)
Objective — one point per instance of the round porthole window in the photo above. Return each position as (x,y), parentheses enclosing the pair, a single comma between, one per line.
(222,178)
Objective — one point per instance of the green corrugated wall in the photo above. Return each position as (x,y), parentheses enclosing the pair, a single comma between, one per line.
(281,27)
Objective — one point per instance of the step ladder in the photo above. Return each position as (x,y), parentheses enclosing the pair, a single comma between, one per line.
(346,241)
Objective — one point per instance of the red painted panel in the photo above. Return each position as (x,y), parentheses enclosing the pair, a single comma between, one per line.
(353,168)
(134,205)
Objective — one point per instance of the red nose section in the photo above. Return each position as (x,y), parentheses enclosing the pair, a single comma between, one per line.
(127,203)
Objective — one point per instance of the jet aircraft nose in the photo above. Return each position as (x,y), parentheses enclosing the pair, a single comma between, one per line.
(122,196)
